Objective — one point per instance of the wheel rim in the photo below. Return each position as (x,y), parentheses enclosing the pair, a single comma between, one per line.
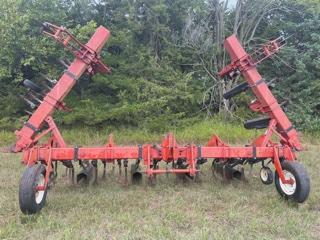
(40,193)
(264,174)
(288,188)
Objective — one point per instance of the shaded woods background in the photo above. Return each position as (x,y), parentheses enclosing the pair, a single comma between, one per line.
(165,56)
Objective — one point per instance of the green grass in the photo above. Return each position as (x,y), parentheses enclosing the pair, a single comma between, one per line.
(171,209)
(197,132)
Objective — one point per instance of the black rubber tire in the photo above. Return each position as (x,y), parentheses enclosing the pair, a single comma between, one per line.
(302,181)
(269,179)
(28,183)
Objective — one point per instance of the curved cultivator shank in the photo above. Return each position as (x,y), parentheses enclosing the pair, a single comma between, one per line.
(291,178)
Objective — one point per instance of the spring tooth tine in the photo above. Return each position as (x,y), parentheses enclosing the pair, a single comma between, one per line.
(72,175)
(250,170)
(113,167)
(104,169)
(125,163)
(120,167)
(95,165)
(136,175)
(243,177)
(55,174)
(120,170)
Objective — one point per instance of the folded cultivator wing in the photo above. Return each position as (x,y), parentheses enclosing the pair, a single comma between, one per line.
(291,179)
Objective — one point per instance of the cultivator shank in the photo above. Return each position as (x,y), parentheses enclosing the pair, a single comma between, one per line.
(145,159)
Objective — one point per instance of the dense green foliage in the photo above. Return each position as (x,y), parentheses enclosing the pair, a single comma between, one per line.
(161,53)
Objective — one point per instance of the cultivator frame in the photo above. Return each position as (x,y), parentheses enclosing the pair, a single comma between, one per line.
(184,160)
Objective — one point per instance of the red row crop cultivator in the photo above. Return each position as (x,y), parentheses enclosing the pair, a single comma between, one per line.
(291,178)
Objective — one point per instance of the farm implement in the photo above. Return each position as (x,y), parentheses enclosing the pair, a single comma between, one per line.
(43,146)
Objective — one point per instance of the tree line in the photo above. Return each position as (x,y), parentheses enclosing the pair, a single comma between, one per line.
(165,56)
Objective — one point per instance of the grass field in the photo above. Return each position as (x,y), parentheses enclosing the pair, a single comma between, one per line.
(170,210)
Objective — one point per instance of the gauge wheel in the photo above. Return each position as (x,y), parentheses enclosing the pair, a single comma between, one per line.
(299,190)
(32,200)
(266,175)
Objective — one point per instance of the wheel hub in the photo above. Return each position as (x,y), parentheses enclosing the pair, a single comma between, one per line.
(40,193)
(264,174)
(287,188)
